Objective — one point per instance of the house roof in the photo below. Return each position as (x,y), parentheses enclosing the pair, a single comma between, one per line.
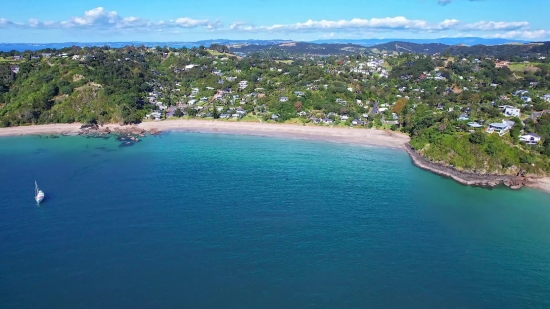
(499,125)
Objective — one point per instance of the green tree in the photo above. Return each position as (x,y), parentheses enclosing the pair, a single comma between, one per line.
(477,138)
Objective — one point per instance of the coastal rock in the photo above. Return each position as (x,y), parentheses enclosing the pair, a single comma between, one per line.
(154,131)
(465,178)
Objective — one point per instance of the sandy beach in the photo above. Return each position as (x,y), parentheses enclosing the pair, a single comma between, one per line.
(334,134)
(331,134)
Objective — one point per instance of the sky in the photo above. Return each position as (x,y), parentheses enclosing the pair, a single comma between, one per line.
(33,21)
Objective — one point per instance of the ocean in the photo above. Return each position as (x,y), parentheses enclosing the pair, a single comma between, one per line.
(191,220)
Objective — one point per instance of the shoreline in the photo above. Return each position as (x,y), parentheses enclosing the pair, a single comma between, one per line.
(359,136)
(345,135)
(477,180)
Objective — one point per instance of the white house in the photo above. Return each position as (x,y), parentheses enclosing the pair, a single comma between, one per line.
(463,117)
(500,127)
(530,138)
(512,111)
(243,84)
(546,97)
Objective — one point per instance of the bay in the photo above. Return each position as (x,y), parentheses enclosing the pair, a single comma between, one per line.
(190,220)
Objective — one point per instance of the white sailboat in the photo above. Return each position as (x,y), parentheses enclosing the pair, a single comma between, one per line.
(38,194)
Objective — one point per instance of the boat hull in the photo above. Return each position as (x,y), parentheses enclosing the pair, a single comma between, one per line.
(39,197)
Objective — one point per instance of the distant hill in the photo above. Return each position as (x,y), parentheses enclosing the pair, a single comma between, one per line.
(406,47)
(501,51)
(301,48)
(448,41)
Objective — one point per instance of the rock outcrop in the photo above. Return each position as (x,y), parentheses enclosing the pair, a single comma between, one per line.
(471,179)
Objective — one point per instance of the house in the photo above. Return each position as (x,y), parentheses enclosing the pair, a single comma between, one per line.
(512,111)
(357,122)
(521,92)
(500,127)
(463,117)
(501,64)
(530,138)
(474,125)
(225,116)
(191,102)
(170,111)
(546,97)
(155,115)
(243,84)
(283,99)
(275,117)
(299,93)
(327,121)
(344,117)
(302,114)
(526,99)
(375,109)
(315,120)
(14,68)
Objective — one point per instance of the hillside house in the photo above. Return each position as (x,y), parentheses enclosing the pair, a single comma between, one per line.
(463,117)
(500,127)
(512,111)
(530,138)
(283,99)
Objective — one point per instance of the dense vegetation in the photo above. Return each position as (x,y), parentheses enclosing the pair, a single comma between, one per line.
(420,95)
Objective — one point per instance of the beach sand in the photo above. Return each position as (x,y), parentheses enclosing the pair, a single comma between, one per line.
(335,134)
(541,184)
(332,134)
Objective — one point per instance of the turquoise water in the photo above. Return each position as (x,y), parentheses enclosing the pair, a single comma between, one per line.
(189,220)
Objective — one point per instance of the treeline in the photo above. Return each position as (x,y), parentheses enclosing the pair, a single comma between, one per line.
(104,86)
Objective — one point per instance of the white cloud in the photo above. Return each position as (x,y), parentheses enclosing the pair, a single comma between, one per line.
(388,23)
(492,25)
(100,18)
(525,35)
(448,23)
(398,22)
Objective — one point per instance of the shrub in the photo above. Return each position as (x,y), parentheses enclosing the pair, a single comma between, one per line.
(478,138)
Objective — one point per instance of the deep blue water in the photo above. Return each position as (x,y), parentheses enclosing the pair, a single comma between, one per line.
(188,220)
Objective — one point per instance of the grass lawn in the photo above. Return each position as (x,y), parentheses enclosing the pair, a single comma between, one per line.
(521,67)
(217,53)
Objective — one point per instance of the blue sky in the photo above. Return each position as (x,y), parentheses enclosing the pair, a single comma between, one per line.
(34,21)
